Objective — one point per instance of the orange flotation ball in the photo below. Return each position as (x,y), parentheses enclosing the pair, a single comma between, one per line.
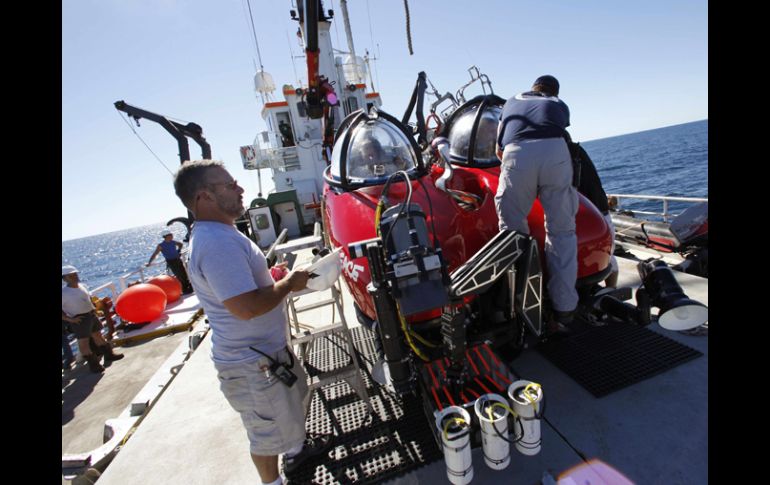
(141,303)
(170,285)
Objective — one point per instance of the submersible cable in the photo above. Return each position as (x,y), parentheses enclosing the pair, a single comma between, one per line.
(145,144)
(494,426)
(430,206)
(542,416)
(408,336)
(422,340)
(564,438)
(404,206)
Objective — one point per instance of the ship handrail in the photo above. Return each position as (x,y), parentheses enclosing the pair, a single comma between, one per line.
(123,279)
(666,215)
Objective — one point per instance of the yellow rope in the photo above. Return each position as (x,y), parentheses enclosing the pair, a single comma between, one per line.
(496,404)
(449,422)
(532,387)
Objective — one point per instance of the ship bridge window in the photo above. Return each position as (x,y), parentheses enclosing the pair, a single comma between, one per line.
(285,129)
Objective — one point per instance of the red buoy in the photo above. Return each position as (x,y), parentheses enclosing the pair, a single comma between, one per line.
(141,303)
(169,284)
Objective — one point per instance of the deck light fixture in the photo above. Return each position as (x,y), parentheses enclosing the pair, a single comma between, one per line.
(677,311)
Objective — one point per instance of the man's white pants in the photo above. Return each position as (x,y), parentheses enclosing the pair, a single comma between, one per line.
(543,168)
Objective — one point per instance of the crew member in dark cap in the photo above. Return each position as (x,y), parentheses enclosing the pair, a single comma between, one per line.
(537,163)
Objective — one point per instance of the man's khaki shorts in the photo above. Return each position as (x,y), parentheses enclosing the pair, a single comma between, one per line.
(273,413)
(88,324)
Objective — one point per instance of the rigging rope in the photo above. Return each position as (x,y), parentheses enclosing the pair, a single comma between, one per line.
(254,31)
(336,29)
(371,39)
(408,28)
(145,144)
(291,56)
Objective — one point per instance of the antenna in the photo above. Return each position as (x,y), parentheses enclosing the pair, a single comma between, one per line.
(291,54)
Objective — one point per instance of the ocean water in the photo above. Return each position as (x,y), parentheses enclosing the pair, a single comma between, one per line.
(104,258)
(669,161)
(665,161)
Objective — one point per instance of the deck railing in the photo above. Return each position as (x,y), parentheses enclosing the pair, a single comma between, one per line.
(143,272)
(666,215)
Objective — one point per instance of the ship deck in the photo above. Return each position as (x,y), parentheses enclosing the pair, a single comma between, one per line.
(152,354)
(654,431)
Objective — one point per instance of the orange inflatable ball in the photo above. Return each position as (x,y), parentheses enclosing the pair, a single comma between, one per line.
(170,285)
(141,303)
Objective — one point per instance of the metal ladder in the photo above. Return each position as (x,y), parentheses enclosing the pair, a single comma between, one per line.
(302,335)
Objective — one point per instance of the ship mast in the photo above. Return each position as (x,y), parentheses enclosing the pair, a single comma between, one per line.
(346,23)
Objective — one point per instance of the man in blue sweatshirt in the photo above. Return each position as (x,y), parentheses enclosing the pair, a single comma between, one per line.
(537,163)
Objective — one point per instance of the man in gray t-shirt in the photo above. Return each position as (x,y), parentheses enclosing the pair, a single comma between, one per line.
(246,311)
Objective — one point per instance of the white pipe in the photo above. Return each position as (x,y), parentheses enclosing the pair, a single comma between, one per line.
(497,451)
(529,443)
(456,444)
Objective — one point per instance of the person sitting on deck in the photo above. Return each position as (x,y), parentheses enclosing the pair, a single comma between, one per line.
(171,251)
(79,312)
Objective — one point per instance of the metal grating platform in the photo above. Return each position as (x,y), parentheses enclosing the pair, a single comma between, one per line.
(367,449)
(606,359)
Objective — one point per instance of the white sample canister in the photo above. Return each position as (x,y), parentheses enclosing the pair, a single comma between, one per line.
(454,425)
(497,451)
(527,406)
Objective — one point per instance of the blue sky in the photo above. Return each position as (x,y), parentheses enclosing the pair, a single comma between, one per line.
(623,67)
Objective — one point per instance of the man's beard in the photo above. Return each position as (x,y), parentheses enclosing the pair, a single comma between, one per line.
(234,209)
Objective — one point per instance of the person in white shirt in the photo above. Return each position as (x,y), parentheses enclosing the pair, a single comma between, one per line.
(79,312)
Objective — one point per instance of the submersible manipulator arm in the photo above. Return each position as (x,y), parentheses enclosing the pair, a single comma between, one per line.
(178,131)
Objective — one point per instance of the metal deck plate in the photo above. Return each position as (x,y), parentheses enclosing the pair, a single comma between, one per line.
(367,449)
(606,359)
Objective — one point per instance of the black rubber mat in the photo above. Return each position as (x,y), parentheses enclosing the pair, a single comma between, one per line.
(366,448)
(606,359)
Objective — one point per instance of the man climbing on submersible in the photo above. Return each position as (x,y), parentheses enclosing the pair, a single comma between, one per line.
(537,163)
